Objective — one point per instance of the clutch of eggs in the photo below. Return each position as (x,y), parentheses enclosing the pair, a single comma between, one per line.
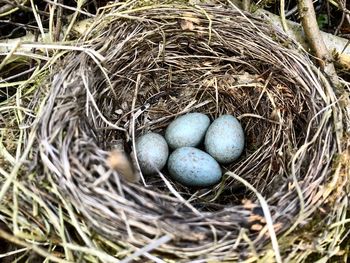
(223,143)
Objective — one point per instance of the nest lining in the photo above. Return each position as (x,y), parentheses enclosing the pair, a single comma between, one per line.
(168,61)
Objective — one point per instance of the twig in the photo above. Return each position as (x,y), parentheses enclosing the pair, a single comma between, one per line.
(19,24)
(151,246)
(283,16)
(59,22)
(340,24)
(132,127)
(5,8)
(313,35)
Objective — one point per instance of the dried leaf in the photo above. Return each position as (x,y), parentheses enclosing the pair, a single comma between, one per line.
(186,25)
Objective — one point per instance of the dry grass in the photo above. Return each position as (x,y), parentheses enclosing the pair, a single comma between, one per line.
(135,70)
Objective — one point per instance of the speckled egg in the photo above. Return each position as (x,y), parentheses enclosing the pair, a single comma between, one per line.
(224,139)
(152,152)
(193,167)
(187,130)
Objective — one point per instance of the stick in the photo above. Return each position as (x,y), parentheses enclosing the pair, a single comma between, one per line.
(314,37)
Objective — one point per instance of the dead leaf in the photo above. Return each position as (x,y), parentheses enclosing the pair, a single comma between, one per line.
(188,21)
(246,78)
(120,162)
(186,25)
(256,227)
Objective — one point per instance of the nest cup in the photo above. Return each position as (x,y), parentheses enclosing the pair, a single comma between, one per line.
(163,62)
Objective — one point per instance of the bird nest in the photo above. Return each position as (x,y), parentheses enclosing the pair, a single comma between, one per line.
(135,72)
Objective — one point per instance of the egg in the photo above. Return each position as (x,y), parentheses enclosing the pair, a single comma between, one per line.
(224,139)
(152,152)
(187,130)
(193,167)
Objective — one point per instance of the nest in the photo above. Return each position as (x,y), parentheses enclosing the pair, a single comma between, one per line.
(136,71)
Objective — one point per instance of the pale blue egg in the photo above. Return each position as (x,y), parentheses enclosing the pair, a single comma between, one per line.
(193,167)
(224,139)
(187,130)
(152,152)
